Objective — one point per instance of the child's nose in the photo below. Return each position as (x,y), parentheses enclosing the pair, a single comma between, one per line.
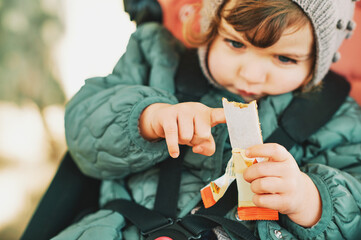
(252,71)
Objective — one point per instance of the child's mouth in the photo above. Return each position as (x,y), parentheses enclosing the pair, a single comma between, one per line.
(243,93)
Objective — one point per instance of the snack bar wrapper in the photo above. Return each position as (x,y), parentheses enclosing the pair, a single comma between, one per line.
(244,131)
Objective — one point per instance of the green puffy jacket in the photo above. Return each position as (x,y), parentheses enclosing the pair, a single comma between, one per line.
(101,123)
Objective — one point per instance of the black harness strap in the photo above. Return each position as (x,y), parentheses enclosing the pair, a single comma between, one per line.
(197,223)
(169,181)
(162,220)
(165,206)
(145,219)
(208,218)
(153,224)
(309,111)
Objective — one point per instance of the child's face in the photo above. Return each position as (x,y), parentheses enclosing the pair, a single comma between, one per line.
(253,72)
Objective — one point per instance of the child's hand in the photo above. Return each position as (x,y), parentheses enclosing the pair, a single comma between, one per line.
(186,123)
(280,185)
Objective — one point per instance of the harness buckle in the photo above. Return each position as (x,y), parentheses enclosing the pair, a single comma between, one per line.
(169,223)
(172,230)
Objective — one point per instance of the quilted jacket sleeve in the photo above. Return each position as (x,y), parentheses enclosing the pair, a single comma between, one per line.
(335,168)
(101,120)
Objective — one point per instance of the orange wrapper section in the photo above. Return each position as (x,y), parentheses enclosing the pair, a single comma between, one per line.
(207,197)
(256,213)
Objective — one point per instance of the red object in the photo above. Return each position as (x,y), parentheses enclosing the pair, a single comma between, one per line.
(350,62)
(163,238)
(207,197)
(256,213)
(176,12)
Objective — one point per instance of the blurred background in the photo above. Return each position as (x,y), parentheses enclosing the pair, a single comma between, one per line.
(47,49)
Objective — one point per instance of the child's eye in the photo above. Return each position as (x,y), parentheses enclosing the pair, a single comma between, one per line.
(284,59)
(235,44)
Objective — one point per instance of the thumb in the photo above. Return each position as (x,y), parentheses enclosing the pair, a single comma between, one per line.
(217,116)
(273,151)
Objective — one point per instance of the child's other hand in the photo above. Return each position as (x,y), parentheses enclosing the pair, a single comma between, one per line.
(186,123)
(280,185)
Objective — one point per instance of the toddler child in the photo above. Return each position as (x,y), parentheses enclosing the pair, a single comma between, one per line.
(120,126)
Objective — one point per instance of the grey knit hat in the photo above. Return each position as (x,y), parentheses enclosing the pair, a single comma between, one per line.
(331,20)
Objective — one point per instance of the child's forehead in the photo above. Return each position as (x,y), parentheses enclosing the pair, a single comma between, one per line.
(263,21)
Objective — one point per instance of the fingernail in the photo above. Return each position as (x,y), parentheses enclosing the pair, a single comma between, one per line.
(174,154)
(197,149)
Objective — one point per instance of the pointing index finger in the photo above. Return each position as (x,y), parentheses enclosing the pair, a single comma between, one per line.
(171,137)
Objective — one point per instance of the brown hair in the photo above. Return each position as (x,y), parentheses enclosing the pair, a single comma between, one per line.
(262,21)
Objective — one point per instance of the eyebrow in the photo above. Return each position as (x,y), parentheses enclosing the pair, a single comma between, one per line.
(224,31)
